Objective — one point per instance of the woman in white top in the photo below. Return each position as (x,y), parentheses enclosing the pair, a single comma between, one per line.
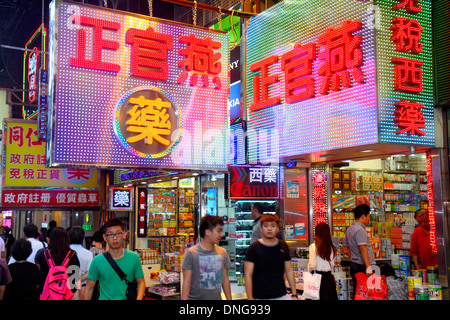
(322,255)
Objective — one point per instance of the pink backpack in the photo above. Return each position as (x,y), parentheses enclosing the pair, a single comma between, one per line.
(56,286)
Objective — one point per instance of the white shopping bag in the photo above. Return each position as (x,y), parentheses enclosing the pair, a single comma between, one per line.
(311,285)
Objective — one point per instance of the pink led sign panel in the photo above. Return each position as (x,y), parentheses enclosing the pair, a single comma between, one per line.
(132,91)
(315,81)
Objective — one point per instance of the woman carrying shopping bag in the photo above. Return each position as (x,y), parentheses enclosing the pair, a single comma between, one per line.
(322,255)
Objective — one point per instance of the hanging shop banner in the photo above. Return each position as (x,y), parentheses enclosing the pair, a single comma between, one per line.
(253,182)
(142,213)
(33,63)
(134,91)
(49,198)
(24,164)
(320,67)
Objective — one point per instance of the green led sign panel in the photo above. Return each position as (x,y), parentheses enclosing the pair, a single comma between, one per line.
(404,72)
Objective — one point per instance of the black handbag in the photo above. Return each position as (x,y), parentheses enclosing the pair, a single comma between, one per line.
(131,286)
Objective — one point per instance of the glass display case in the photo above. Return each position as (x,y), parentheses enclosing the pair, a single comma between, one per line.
(244,227)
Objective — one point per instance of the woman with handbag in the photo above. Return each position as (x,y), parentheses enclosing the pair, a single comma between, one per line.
(322,255)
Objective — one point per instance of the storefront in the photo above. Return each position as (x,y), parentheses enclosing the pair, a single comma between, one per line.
(146,98)
(345,104)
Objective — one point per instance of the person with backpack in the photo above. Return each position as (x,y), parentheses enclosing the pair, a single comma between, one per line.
(117,270)
(59,267)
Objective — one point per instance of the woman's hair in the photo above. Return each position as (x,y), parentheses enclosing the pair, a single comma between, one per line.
(98,236)
(324,244)
(21,249)
(59,244)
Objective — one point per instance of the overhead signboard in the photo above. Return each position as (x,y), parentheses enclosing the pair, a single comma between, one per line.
(339,74)
(133,91)
(253,182)
(24,165)
(51,198)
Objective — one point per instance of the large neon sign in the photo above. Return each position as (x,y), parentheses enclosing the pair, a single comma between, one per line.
(322,69)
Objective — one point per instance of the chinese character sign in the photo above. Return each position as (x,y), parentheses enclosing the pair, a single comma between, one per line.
(120,199)
(253,182)
(311,78)
(24,165)
(404,64)
(49,198)
(135,91)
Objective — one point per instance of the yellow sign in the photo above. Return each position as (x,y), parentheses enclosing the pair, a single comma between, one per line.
(25,161)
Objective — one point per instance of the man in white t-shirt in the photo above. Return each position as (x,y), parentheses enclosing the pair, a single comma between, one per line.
(31,234)
(76,235)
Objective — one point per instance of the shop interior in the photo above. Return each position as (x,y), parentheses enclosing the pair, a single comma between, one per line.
(394,187)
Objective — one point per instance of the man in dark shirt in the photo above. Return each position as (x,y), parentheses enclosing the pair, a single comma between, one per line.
(266,262)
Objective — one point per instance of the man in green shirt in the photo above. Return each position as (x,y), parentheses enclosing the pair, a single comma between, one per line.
(111,286)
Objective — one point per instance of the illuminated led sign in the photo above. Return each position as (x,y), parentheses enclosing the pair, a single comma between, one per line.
(320,203)
(120,199)
(25,161)
(431,213)
(133,91)
(253,182)
(319,82)
(404,68)
(33,64)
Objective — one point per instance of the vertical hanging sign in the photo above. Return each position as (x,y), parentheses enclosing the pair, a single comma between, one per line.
(142,223)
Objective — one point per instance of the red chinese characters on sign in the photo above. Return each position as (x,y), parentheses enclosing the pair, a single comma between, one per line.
(149,49)
(149,53)
(297,65)
(407,75)
(409,118)
(342,59)
(98,42)
(319,195)
(342,56)
(411,6)
(261,84)
(17,135)
(200,60)
(407,34)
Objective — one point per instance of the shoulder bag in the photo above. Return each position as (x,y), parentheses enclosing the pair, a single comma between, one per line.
(131,286)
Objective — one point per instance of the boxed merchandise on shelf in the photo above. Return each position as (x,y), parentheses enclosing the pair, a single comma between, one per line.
(149,256)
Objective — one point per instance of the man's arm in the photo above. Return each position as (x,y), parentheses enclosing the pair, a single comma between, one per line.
(140,288)
(290,277)
(88,290)
(248,275)
(226,284)
(186,286)
(416,261)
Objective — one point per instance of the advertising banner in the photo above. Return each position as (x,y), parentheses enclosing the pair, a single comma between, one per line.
(24,165)
(253,182)
(135,92)
(27,198)
(338,74)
